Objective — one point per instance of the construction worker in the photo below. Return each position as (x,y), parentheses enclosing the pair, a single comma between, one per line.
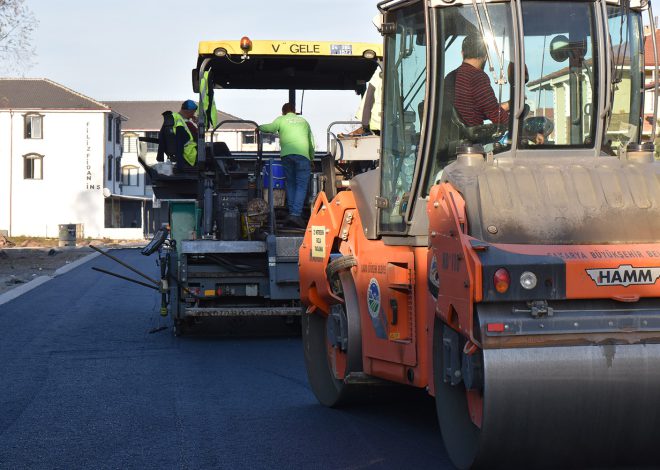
(474,99)
(297,152)
(370,109)
(178,136)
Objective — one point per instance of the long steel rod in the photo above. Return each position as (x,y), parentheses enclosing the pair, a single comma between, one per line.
(125,265)
(500,57)
(655,73)
(125,278)
(608,77)
(491,66)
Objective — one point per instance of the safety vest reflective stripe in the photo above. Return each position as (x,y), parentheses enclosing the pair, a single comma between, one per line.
(190,147)
(210,113)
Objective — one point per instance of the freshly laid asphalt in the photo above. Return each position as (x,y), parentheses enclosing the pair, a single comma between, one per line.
(83,384)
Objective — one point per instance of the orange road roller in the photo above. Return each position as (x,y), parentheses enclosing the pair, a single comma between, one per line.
(505,254)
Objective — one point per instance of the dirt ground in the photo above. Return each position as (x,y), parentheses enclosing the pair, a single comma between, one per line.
(24,259)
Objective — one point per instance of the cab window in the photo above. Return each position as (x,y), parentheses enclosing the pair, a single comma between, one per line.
(562,65)
(473,97)
(404,91)
(625,28)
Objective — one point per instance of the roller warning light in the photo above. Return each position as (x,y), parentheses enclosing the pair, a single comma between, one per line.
(502,280)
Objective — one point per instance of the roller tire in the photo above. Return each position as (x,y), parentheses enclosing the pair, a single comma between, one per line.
(328,390)
(328,170)
(340,264)
(461,437)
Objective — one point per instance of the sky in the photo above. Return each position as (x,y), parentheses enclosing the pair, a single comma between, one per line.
(146,49)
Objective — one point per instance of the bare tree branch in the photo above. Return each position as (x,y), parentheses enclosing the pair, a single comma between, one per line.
(17,25)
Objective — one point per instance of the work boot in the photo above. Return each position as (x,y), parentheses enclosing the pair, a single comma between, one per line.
(296,221)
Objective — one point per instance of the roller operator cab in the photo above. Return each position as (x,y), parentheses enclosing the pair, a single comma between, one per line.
(510,267)
(230,252)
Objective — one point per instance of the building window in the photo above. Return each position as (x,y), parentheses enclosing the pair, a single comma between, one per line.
(129,175)
(117,167)
(248,138)
(117,131)
(130,143)
(109,167)
(33,126)
(152,147)
(110,126)
(33,166)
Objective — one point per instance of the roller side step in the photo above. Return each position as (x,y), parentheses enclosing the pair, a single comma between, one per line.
(360,378)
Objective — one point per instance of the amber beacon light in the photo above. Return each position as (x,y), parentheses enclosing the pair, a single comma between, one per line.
(246,44)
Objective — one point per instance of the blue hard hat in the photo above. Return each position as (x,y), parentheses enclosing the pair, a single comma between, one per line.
(189,104)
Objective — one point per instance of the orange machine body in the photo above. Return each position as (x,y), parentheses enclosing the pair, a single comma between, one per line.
(447,280)
(394,344)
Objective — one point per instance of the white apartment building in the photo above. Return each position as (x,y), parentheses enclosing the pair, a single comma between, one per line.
(65,159)
(54,144)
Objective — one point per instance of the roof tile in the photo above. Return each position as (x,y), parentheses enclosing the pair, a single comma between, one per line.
(43,94)
(147,115)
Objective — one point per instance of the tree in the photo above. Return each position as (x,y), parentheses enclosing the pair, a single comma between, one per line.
(17,24)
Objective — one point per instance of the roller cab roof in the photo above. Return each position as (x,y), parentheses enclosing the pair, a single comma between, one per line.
(288,65)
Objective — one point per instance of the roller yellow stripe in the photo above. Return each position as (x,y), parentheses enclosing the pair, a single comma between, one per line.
(293,48)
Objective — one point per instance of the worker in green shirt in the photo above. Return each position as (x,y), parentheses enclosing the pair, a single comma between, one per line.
(297,152)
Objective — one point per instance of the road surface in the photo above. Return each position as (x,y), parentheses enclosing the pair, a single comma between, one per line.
(84,385)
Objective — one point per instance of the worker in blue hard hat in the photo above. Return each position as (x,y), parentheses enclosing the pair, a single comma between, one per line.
(187,112)
(178,136)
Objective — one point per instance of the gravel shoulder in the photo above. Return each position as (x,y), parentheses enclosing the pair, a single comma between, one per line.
(21,264)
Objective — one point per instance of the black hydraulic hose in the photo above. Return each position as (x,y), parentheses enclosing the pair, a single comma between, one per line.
(231,266)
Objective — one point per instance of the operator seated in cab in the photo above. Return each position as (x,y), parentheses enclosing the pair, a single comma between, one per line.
(178,137)
(474,98)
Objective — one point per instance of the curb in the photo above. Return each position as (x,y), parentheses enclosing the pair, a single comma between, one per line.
(68,267)
(23,288)
(36,282)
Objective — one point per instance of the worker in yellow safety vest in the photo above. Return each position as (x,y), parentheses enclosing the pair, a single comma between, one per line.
(178,136)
